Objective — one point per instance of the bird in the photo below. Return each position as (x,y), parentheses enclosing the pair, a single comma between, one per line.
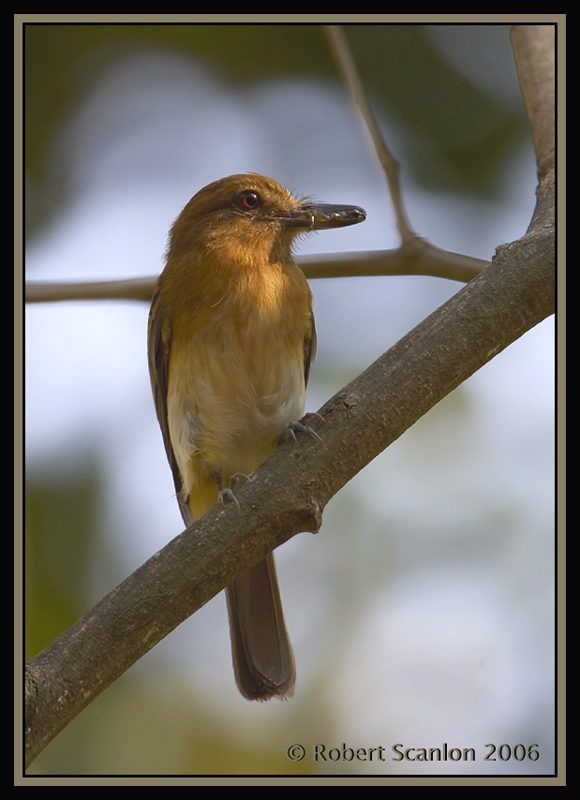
(231,337)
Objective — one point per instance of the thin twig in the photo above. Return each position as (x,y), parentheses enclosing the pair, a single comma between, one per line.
(409,261)
(414,250)
(347,67)
(53,292)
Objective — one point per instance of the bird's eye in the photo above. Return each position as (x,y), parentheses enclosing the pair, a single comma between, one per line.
(249,200)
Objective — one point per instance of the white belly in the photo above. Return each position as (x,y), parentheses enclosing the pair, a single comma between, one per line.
(228,413)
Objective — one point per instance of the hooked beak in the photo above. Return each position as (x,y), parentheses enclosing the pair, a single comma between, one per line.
(318,216)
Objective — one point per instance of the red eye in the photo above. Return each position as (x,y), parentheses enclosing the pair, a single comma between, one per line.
(249,200)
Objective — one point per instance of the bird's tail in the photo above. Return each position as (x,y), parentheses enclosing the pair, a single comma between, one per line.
(261,650)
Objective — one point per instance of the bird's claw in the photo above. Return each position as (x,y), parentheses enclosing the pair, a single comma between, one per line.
(296,425)
(226,494)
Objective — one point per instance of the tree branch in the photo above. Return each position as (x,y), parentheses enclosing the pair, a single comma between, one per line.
(503,302)
(414,260)
(534,51)
(390,167)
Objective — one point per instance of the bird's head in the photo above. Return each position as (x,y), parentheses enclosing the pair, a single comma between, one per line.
(249,217)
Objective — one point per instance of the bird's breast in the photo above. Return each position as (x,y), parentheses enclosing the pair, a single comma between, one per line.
(236,373)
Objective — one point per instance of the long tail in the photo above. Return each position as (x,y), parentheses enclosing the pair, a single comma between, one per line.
(261,650)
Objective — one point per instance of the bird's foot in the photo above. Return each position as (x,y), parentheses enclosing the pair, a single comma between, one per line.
(297,426)
(226,494)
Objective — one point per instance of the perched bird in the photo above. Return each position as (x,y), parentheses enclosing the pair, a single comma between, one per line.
(231,338)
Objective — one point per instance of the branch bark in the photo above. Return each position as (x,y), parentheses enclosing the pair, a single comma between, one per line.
(289,492)
(534,50)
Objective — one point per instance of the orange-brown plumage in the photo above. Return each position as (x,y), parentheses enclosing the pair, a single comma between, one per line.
(231,339)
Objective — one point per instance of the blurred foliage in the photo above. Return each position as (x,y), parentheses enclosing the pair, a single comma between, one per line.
(59,59)
(468,129)
(157,726)
(400,65)
(60,531)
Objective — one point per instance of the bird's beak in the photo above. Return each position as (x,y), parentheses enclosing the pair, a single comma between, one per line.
(317,216)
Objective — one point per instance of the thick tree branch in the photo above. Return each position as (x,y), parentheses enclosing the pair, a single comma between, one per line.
(288,493)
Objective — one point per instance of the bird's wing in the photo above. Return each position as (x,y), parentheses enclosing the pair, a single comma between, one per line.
(309,349)
(159,335)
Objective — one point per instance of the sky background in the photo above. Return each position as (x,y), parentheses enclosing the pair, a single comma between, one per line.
(423,612)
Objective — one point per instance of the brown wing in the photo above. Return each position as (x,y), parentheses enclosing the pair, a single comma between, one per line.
(159,336)
(309,349)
